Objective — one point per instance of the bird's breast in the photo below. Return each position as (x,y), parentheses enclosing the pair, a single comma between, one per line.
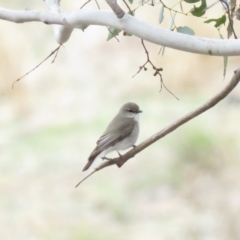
(129,141)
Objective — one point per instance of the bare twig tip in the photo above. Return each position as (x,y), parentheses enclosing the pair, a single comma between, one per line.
(56,50)
(86,178)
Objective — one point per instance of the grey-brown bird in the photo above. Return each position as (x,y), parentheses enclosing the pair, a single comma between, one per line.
(121,133)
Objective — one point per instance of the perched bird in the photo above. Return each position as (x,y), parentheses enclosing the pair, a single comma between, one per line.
(121,133)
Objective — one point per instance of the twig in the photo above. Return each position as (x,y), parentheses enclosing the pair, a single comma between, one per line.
(172,10)
(97,4)
(85,4)
(119,161)
(85,178)
(226,7)
(130,11)
(156,70)
(116,8)
(56,54)
(54,51)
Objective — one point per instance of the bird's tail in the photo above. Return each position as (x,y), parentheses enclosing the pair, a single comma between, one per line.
(91,159)
(89,163)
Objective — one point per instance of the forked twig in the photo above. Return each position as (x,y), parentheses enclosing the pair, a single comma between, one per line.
(156,70)
(54,51)
(225,5)
(119,161)
(129,9)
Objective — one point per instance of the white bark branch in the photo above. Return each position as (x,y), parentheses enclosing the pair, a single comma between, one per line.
(83,18)
(61,33)
(116,8)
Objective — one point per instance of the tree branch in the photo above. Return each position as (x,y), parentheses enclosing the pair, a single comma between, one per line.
(116,8)
(85,17)
(61,33)
(119,161)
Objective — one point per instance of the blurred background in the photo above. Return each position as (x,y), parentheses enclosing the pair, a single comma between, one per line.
(185,186)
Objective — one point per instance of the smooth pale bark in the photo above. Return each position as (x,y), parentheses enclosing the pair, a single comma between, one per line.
(83,18)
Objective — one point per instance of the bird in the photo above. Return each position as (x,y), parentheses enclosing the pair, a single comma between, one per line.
(121,133)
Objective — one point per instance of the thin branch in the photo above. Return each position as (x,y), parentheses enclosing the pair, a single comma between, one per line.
(156,70)
(57,51)
(89,2)
(97,4)
(228,10)
(85,178)
(119,161)
(129,9)
(172,10)
(85,4)
(116,8)
(54,51)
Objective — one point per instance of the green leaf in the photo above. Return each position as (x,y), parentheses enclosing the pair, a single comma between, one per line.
(225,62)
(181,6)
(131,1)
(220,35)
(113,32)
(185,30)
(218,21)
(199,11)
(230,28)
(191,1)
(162,50)
(172,21)
(161,15)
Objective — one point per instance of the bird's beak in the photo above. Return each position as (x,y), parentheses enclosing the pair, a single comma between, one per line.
(139,111)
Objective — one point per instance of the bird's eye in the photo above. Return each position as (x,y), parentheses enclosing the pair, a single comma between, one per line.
(130,110)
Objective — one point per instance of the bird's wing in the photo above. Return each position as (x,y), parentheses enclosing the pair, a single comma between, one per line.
(110,137)
(114,133)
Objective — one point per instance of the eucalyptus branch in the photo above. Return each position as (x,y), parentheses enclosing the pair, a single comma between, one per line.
(119,161)
(85,17)
(116,8)
(61,33)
